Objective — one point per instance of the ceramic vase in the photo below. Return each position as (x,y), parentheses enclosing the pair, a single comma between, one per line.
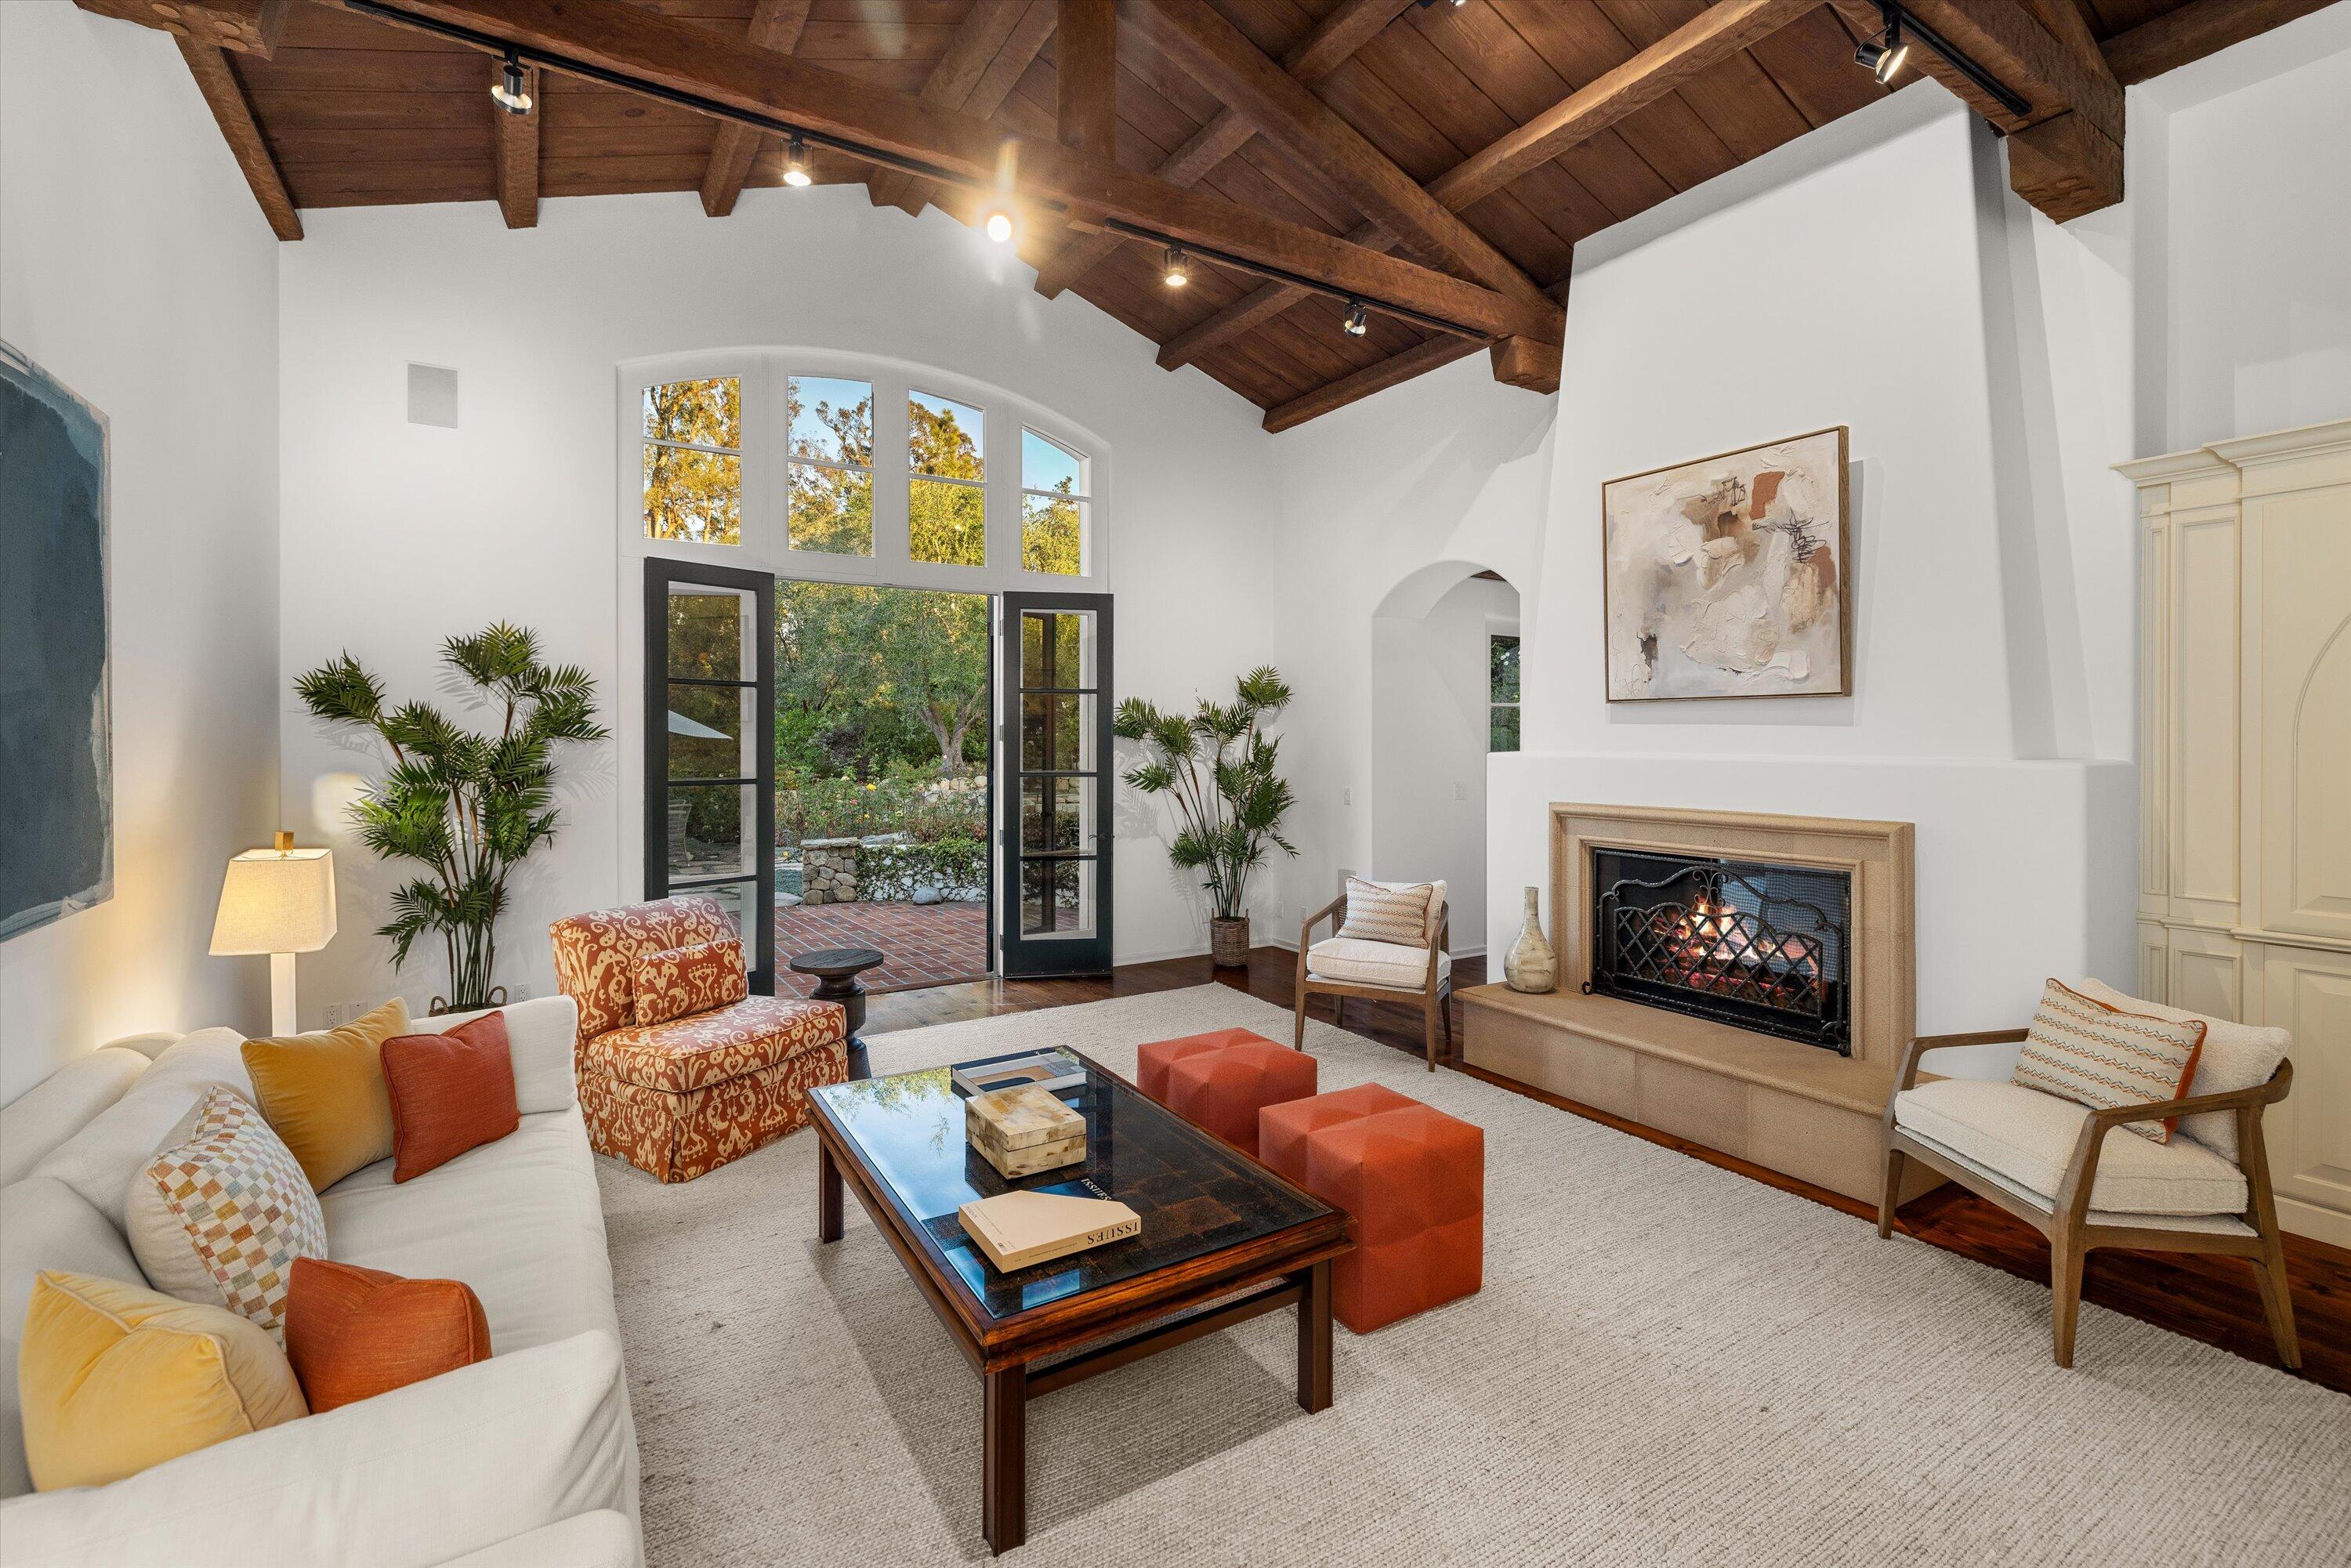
(1531,966)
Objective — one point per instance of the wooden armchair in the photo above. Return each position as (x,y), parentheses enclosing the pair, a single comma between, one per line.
(1432,994)
(2246,1229)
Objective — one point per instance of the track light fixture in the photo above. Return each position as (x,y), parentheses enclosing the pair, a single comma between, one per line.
(1359,319)
(796,163)
(997,223)
(1883,54)
(1176,270)
(510,91)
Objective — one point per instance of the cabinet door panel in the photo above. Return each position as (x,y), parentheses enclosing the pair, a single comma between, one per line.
(2305,758)
(2308,991)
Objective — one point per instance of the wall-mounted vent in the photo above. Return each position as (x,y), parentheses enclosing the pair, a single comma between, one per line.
(433,395)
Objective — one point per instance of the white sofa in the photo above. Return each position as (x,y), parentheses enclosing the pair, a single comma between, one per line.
(526,1459)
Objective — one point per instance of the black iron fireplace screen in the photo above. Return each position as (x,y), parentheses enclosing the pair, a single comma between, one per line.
(1742,942)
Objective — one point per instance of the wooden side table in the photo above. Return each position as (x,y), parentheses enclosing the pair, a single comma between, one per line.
(836,970)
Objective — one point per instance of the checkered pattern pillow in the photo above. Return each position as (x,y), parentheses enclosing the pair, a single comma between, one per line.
(1377,913)
(2095,1055)
(222,1211)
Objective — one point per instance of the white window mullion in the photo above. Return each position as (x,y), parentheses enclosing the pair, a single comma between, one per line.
(892,550)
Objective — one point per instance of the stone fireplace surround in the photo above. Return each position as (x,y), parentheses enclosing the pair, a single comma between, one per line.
(1789,1106)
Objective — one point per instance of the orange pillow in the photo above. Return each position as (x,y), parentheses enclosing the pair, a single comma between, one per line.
(449,1092)
(353,1334)
(689,980)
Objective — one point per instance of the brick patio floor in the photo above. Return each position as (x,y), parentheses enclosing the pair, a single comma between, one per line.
(928,943)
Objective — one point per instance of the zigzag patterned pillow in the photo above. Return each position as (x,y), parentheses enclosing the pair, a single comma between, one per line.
(1377,913)
(2083,1050)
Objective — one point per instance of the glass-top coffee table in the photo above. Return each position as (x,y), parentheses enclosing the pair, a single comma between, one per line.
(1219,1232)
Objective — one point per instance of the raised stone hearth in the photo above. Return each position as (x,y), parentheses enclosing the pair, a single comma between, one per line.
(1795,1107)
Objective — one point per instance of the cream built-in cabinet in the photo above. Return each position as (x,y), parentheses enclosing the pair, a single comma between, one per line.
(2245,771)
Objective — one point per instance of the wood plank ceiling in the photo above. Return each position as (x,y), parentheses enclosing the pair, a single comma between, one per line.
(356,112)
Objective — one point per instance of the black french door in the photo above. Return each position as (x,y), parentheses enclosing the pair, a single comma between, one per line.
(1053,812)
(710,746)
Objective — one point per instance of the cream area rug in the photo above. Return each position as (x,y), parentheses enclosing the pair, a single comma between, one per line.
(1669,1364)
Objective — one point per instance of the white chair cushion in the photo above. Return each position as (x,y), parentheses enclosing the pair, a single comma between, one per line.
(63,1104)
(1356,962)
(2235,1056)
(518,1219)
(2029,1138)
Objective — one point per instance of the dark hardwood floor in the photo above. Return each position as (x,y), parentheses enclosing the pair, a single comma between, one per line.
(2211,1298)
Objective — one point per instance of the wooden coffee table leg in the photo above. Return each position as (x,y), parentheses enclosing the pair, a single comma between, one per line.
(1004,1463)
(1314,1340)
(828,1194)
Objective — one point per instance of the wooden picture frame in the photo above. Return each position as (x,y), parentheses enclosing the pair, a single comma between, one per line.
(1727,577)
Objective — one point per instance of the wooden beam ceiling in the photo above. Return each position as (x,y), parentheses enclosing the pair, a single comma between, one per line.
(774,25)
(995,43)
(2197,29)
(225,95)
(1349,26)
(1197,38)
(1085,74)
(248,26)
(517,151)
(731,76)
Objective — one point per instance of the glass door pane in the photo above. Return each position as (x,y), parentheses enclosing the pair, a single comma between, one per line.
(710,747)
(1054,811)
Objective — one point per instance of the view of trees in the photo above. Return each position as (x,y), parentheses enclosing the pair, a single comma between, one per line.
(869,680)
(691,493)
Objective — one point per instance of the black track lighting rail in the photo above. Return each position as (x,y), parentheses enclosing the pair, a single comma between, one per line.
(1956,58)
(556,61)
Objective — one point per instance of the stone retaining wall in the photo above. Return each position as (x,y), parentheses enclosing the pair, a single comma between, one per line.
(827,870)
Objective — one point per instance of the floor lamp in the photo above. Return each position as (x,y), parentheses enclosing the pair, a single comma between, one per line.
(281,902)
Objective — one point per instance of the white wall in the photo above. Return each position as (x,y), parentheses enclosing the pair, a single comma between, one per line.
(1430,731)
(136,269)
(395,536)
(2246,253)
(1875,275)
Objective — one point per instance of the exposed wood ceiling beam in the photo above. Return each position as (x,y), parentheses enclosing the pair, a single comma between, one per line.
(1010,31)
(1085,74)
(1710,36)
(2199,28)
(1198,39)
(727,77)
(1337,36)
(517,152)
(1395,369)
(216,79)
(1706,39)
(1259,304)
(2065,150)
(249,27)
(774,25)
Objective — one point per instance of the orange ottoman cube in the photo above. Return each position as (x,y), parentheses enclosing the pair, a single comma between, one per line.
(1219,1081)
(1412,1179)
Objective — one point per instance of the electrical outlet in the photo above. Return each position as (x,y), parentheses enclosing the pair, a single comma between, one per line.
(1346,796)
(336,1012)
(519,991)
(1460,790)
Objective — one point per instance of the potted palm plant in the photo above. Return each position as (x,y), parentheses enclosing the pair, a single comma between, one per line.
(1218,766)
(467,807)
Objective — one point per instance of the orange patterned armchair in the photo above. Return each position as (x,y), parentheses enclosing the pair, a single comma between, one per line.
(679,1069)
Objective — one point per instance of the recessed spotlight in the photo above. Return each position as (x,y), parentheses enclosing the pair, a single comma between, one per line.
(1176,270)
(510,89)
(1359,319)
(997,223)
(796,164)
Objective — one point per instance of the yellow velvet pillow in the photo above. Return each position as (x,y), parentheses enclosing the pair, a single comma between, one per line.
(325,1095)
(115,1377)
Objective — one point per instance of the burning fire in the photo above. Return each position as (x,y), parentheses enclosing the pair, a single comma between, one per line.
(1712,950)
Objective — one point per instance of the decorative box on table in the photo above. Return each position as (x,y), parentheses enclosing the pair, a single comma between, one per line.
(1023,1131)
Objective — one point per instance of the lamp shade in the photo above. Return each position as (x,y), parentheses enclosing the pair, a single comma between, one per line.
(277,901)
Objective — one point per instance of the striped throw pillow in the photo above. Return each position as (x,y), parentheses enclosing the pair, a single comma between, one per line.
(2085,1052)
(1377,913)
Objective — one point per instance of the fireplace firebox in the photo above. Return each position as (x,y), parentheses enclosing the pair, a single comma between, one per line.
(1759,946)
